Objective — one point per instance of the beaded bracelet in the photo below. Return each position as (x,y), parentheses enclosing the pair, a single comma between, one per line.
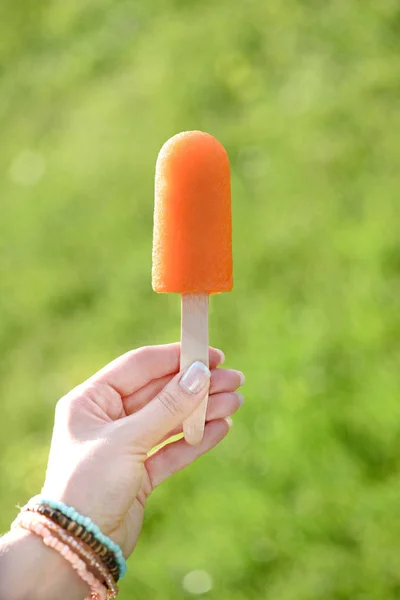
(78,532)
(88,524)
(76,546)
(97,590)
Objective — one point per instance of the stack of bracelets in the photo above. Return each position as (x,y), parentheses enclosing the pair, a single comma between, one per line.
(94,556)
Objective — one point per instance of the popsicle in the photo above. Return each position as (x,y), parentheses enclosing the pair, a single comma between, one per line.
(192,241)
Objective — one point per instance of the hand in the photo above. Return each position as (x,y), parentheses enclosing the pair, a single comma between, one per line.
(105,428)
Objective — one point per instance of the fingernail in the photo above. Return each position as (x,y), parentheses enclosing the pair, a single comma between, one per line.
(229,421)
(241,376)
(241,398)
(222,356)
(196,378)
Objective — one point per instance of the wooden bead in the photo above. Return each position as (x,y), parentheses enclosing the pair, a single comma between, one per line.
(98,546)
(86,536)
(79,530)
(92,543)
(64,521)
(80,533)
(71,526)
(90,538)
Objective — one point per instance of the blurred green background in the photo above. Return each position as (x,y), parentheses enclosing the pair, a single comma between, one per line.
(302,501)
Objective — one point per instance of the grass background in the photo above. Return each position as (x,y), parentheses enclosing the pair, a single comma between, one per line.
(302,501)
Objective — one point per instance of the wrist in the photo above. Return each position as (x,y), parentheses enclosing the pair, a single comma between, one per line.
(31,571)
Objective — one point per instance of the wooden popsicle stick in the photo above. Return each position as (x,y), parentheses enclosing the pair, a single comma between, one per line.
(194,346)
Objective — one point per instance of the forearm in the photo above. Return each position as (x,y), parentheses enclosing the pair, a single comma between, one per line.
(31,571)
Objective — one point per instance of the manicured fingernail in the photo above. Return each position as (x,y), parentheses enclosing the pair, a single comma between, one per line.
(196,378)
(241,398)
(241,376)
(229,421)
(221,355)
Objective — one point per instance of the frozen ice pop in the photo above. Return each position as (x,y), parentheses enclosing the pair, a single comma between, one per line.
(192,243)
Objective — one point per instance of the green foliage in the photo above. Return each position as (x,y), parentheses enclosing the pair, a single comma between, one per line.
(302,501)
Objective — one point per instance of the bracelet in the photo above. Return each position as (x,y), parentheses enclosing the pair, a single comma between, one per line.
(79,548)
(78,532)
(97,590)
(88,525)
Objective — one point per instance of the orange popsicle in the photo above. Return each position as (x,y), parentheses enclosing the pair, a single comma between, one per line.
(192,247)
(192,244)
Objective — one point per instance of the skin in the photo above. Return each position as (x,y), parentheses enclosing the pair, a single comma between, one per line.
(101,459)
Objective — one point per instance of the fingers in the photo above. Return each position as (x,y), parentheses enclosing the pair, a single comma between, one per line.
(137,368)
(223,405)
(176,456)
(171,406)
(222,380)
(226,380)
(219,406)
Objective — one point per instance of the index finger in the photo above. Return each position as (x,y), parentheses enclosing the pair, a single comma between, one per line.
(137,368)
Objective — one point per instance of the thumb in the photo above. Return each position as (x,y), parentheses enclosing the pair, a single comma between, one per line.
(176,401)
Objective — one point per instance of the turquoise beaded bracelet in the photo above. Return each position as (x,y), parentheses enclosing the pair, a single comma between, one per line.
(88,524)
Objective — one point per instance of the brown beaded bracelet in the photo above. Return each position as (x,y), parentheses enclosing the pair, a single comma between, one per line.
(73,550)
(106,556)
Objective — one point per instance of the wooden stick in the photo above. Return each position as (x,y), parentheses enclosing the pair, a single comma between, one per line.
(194,346)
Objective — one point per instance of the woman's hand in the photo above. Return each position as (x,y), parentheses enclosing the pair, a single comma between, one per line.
(105,428)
